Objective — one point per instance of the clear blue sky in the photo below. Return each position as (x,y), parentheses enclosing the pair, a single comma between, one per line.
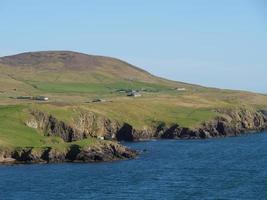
(221,43)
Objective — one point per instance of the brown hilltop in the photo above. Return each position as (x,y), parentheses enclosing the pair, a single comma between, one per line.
(59,62)
(68,59)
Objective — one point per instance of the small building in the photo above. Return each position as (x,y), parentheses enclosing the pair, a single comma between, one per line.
(38,98)
(180,89)
(41,98)
(134,94)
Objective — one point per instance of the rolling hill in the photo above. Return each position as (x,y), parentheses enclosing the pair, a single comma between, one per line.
(71,80)
(75,72)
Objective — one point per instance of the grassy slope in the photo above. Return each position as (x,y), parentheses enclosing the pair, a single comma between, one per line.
(14,133)
(13,130)
(70,87)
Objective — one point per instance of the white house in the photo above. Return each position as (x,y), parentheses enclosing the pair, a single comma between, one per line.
(180,89)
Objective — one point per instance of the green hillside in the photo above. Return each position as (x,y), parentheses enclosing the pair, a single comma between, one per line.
(72,80)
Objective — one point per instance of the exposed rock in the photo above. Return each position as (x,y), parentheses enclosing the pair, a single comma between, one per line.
(106,152)
(73,152)
(102,151)
(28,155)
(125,133)
(93,125)
(172,132)
(143,134)
(53,127)
(86,125)
(32,123)
(229,123)
(5,157)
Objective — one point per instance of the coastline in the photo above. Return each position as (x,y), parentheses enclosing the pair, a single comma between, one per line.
(104,152)
(229,123)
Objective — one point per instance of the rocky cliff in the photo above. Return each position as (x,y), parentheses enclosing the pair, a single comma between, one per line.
(85,125)
(229,122)
(102,151)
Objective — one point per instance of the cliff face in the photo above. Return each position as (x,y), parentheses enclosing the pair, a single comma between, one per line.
(103,151)
(228,123)
(53,127)
(86,125)
(235,122)
(92,125)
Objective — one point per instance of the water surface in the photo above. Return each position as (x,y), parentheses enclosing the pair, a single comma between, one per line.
(226,168)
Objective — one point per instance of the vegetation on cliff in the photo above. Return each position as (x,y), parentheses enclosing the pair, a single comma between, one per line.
(166,109)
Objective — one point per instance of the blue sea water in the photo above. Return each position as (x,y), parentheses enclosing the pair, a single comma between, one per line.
(226,168)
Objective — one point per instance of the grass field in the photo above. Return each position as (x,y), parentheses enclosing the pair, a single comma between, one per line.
(14,133)
(71,80)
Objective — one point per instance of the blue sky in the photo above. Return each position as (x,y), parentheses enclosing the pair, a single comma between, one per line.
(219,43)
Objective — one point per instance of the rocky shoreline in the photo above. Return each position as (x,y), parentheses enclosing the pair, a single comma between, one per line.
(227,123)
(104,152)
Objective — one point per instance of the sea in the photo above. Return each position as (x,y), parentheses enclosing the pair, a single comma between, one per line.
(230,168)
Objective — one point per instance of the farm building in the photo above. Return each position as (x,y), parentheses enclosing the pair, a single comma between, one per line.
(38,98)
(41,98)
(134,94)
(180,89)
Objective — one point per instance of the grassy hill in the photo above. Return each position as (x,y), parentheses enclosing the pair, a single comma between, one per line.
(72,80)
